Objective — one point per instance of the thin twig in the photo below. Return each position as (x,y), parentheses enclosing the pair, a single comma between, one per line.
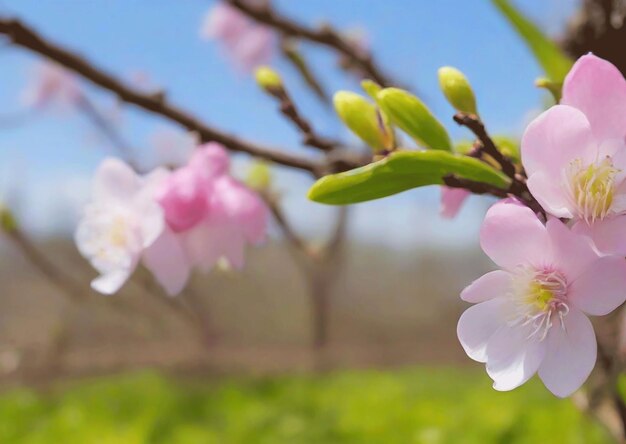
(325,35)
(291,53)
(289,110)
(54,274)
(118,142)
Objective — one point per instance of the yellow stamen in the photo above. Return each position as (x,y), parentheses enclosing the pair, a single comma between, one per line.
(592,188)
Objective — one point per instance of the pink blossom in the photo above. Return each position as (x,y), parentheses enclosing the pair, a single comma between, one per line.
(223,22)
(186,194)
(237,216)
(452,200)
(210,216)
(575,154)
(171,222)
(50,82)
(120,222)
(247,43)
(531,316)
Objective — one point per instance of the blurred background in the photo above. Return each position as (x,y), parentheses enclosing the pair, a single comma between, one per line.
(255,356)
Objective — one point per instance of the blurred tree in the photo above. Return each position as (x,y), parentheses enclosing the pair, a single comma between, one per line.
(598,27)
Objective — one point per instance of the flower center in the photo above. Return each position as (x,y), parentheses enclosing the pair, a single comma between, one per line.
(592,188)
(114,237)
(118,233)
(539,296)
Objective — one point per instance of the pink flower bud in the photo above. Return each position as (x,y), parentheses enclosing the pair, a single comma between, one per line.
(210,161)
(184,199)
(452,200)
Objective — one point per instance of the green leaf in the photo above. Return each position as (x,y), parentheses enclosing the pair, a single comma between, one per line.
(414,118)
(553,61)
(399,172)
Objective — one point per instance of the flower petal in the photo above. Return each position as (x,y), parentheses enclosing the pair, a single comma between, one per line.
(210,161)
(512,358)
(111,282)
(243,206)
(476,326)
(115,180)
(511,235)
(554,139)
(570,356)
(166,259)
(550,194)
(608,235)
(597,88)
(572,252)
(601,288)
(488,286)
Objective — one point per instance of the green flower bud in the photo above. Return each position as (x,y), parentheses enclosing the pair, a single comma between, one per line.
(414,118)
(267,78)
(364,120)
(457,90)
(371,88)
(259,176)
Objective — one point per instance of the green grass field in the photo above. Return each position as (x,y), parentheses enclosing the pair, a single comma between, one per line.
(411,406)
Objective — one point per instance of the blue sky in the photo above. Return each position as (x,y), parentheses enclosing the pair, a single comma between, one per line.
(46,160)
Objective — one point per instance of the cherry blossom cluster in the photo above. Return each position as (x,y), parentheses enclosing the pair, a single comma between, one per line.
(531,315)
(170,221)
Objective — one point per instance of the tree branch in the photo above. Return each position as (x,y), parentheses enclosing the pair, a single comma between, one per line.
(326,36)
(25,37)
(475,125)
